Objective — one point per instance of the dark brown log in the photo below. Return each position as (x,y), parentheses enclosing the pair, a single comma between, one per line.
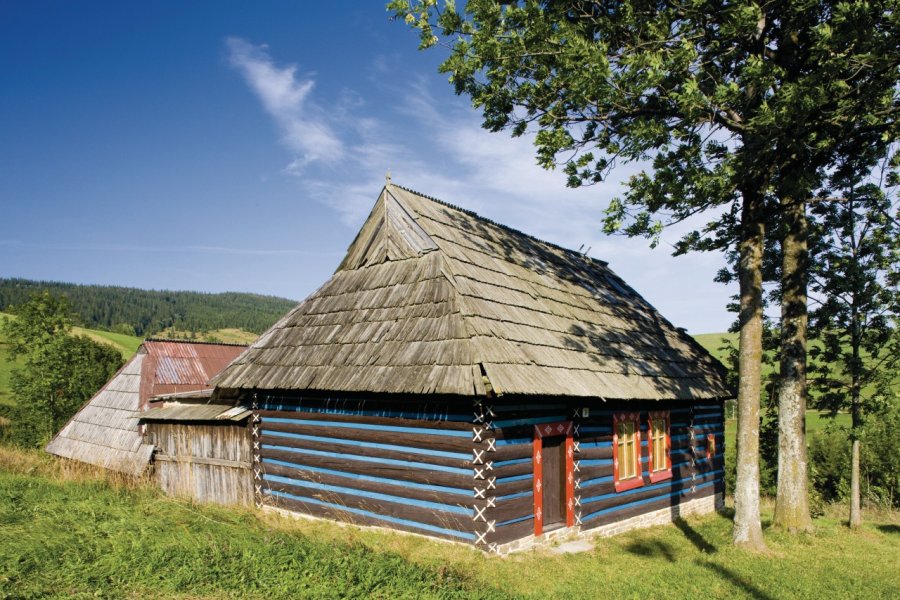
(632,511)
(591,453)
(460,480)
(513,531)
(398,489)
(392,421)
(509,452)
(513,487)
(363,451)
(348,517)
(512,470)
(428,516)
(675,485)
(513,509)
(585,473)
(434,442)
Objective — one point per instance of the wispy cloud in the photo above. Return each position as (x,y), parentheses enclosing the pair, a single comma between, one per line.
(284,94)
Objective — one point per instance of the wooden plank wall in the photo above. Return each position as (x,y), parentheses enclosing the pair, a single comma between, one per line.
(693,476)
(370,462)
(205,462)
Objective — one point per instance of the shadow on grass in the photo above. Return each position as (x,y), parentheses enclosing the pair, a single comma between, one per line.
(736,579)
(694,537)
(651,549)
(888,528)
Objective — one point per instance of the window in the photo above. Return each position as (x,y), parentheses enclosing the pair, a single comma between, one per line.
(660,446)
(627,451)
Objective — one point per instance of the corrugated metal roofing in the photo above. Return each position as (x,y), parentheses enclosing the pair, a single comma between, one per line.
(106,431)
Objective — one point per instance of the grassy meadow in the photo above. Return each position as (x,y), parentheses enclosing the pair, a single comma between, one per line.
(69,531)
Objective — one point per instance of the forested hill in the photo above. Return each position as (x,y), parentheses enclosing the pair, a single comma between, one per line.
(147,312)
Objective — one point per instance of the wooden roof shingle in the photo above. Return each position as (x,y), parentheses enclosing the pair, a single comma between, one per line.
(430,297)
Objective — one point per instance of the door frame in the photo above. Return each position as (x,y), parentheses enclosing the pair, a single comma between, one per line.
(557,428)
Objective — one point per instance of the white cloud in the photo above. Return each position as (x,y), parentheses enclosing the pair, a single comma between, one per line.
(439,148)
(304,127)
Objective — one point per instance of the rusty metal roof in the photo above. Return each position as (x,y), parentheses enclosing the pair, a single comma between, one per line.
(173,367)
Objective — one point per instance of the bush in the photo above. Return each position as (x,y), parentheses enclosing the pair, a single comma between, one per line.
(829,454)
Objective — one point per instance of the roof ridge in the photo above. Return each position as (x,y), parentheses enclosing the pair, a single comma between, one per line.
(472,213)
(199,342)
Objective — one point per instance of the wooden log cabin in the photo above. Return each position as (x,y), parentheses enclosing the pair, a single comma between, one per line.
(460,379)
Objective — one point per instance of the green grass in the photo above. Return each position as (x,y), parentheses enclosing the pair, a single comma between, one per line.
(226,336)
(75,534)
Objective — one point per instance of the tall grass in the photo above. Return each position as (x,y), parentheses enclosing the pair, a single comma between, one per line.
(71,530)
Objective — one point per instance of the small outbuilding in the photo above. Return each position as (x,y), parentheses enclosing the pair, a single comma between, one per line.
(460,379)
(107,430)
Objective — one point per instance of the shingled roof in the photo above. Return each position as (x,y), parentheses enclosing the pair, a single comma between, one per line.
(431,298)
(106,432)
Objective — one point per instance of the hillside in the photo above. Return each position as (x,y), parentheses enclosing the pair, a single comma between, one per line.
(148,312)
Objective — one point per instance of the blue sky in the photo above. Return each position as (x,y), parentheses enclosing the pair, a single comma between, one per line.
(238,146)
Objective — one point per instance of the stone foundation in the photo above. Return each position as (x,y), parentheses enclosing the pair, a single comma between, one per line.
(698,506)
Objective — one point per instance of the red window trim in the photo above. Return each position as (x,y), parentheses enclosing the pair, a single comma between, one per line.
(710,447)
(549,430)
(638,480)
(666,472)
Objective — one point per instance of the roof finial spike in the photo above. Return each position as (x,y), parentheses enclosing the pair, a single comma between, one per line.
(387,177)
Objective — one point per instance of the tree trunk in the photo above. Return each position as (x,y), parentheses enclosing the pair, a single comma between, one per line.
(855,410)
(747,527)
(792,499)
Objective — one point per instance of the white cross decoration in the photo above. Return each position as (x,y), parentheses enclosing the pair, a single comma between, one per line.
(256,474)
(578,483)
(490,411)
(256,417)
(576,428)
(492,547)
(258,489)
(489,465)
(480,539)
(256,430)
(479,473)
(576,446)
(491,483)
(578,518)
(476,434)
(256,445)
(490,526)
(478,455)
(576,413)
(489,424)
(577,500)
(256,458)
(479,417)
(491,502)
(479,513)
(479,492)
(492,445)
(577,466)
